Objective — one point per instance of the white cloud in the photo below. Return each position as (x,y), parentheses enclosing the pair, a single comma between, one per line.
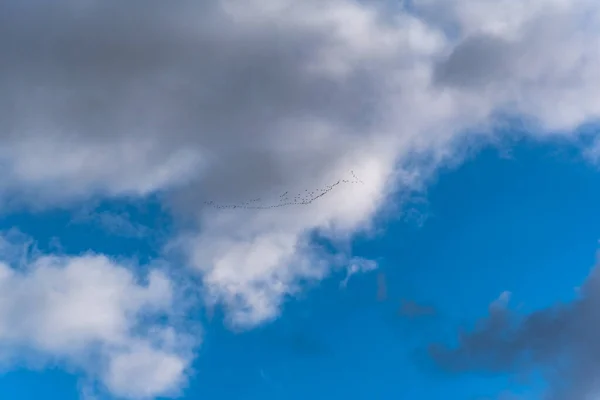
(357,265)
(230,100)
(144,372)
(91,313)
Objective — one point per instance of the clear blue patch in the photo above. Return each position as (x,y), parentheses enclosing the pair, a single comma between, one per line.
(22,384)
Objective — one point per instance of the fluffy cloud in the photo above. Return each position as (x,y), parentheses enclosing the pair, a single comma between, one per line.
(90,313)
(233,100)
(560,341)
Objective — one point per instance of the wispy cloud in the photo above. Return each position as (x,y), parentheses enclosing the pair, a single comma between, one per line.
(413,309)
(560,341)
(114,223)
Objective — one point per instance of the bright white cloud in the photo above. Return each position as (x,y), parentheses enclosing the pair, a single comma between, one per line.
(88,312)
(231,100)
(144,372)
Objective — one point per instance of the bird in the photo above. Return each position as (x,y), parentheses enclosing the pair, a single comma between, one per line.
(306,198)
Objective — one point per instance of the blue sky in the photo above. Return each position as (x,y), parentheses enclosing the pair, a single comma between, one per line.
(286,199)
(524,224)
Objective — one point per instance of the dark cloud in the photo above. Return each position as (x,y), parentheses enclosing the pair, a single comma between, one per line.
(182,74)
(477,61)
(561,341)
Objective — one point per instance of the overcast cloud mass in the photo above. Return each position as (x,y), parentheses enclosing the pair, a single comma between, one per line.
(233,100)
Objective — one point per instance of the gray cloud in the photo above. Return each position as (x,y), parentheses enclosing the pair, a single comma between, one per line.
(561,341)
(186,75)
(475,62)
(230,100)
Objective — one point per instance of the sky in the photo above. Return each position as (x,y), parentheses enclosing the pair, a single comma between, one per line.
(278,199)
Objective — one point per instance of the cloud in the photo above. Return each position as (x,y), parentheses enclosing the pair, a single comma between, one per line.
(90,313)
(531,59)
(115,223)
(381,287)
(144,372)
(474,63)
(560,341)
(357,265)
(412,309)
(231,100)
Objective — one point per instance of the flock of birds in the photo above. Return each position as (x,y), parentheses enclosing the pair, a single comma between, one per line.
(285,200)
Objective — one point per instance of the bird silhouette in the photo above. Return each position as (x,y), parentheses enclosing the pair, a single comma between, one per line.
(299,199)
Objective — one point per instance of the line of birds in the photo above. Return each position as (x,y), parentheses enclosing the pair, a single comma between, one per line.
(305,198)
